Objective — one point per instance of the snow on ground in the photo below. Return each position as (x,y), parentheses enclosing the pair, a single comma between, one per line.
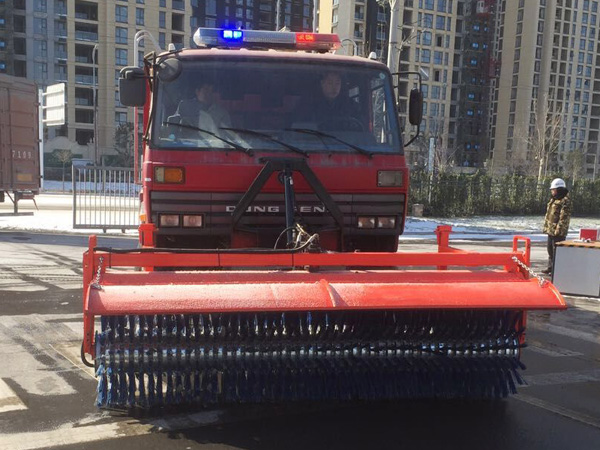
(55,215)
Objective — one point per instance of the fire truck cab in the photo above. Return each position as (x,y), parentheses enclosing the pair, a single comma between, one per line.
(256,130)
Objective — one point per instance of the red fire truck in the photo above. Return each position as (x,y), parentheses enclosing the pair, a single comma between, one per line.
(277,154)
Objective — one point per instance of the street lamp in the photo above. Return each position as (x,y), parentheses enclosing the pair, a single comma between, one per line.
(392,63)
(94,52)
(354,45)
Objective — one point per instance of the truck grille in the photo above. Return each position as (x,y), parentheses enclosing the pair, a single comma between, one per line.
(268,210)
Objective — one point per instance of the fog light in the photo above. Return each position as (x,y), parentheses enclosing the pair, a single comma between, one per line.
(168,220)
(193,221)
(366,222)
(386,222)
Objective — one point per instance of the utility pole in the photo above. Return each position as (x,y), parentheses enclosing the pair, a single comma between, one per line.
(95,88)
(392,57)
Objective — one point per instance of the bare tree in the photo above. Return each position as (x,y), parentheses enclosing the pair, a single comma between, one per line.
(124,144)
(542,136)
(64,157)
(574,164)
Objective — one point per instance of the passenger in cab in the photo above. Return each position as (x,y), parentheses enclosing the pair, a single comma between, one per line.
(202,111)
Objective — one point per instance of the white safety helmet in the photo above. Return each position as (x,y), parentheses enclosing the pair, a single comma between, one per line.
(558,183)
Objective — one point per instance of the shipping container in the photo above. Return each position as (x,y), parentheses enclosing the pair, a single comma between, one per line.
(19,139)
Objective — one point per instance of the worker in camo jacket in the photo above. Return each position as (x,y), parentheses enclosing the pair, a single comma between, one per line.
(558,216)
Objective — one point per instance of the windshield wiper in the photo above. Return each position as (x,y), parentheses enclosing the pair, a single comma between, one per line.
(248,151)
(267,137)
(331,136)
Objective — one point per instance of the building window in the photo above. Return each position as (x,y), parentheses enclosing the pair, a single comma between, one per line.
(426,38)
(440,22)
(139,16)
(428,21)
(162,19)
(40,26)
(162,40)
(41,71)
(121,35)
(120,118)
(425,55)
(40,5)
(41,49)
(121,14)
(121,56)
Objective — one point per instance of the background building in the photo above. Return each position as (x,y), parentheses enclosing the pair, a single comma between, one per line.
(546,104)
(85,43)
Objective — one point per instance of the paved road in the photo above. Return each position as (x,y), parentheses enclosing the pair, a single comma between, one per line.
(47,395)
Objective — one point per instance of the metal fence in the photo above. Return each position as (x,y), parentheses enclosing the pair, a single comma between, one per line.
(105,198)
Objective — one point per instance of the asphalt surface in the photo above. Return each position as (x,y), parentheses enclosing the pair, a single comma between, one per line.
(47,395)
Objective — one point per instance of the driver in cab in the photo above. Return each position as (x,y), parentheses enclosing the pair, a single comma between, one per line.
(332,108)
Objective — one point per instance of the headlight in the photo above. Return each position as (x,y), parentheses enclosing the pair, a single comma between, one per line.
(168,220)
(168,175)
(386,222)
(366,222)
(193,221)
(389,178)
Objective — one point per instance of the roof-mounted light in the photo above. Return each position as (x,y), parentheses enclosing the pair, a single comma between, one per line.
(216,37)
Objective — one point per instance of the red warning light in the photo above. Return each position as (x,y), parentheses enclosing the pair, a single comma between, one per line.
(305,37)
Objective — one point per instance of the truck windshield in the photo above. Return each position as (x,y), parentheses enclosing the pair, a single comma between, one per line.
(341,103)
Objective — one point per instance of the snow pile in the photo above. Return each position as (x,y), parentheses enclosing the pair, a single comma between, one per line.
(55,215)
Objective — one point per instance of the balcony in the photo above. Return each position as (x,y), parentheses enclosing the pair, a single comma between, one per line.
(86,36)
(83,59)
(84,79)
(79,101)
(61,56)
(179,4)
(86,16)
(86,11)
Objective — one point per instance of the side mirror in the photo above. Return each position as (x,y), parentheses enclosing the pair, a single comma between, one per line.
(132,86)
(415,107)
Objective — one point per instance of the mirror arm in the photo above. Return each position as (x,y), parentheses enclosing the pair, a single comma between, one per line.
(415,136)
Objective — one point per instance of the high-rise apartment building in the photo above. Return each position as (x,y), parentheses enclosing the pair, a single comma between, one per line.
(431,41)
(85,43)
(547,98)
(296,15)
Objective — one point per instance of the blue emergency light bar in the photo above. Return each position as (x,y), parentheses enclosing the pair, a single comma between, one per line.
(285,40)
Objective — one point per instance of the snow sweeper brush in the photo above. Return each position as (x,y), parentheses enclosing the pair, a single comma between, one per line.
(286,325)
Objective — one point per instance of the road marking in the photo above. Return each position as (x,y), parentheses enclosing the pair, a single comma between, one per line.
(9,401)
(564,331)
(550,350)
(72,353)
(556,409)
(75,434)
(561,378)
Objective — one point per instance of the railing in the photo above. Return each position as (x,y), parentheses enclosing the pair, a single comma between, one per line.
(80,101)
(105,198)
(84,79)
(86,36)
